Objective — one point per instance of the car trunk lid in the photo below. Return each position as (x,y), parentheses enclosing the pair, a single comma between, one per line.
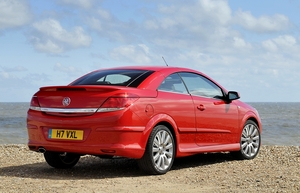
(84,99)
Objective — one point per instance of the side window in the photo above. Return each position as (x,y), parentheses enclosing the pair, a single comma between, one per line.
(173,83)
(201,86)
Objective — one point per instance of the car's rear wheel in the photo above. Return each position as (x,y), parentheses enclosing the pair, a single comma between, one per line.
(106,156)
(61,160)
(160,151)
(250,141)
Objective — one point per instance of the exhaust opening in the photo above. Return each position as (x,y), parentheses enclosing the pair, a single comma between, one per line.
(41,150)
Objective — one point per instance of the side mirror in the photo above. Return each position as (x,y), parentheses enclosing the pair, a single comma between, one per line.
(232,95)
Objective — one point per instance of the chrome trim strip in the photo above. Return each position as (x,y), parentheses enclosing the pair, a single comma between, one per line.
(75,110)
(35,108)
(109,109)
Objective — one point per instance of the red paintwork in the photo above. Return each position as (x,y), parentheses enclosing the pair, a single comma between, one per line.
(199,124)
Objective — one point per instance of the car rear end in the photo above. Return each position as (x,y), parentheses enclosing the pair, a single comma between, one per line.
(99,118)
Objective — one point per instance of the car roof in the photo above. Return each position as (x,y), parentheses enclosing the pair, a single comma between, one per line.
(153,68)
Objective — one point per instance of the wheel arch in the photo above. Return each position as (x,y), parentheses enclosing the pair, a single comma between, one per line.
(253,117)
(255,121)
(161,119)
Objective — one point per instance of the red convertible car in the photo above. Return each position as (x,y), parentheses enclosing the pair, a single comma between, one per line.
(152,114)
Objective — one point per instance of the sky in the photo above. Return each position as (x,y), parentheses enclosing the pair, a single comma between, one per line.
(252,47)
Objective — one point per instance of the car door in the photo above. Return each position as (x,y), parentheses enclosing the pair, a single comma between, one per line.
(175,101)
(216,120)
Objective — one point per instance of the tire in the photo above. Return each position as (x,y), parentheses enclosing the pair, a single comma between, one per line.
(160,151)
(106,156)
(61,160)
(250,141)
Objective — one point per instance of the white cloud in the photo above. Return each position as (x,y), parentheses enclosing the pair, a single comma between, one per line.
(104,15)
(203,26)
(47,45)
(11,80)
(263,24)
(108,26)
(269,45)
(203,11)
(282,43)
(241,43)
(34,78)
(49,36)
(14,13)
(285,40)
(201,34)
(65,69)
(151,25)
(14,69)
(79,3)
(275,72)
(4,75)
(196,18)
(136,54)
(68,73)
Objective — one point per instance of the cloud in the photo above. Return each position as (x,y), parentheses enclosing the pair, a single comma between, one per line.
(108,26)
(33,78)
(138,54)
(197,22)
(199,33)
(262,24)
(201,26)
(269,45)
(205,11)
(282,43)
(14,13)
(14,69)
(238,49)
(68,73)
(4,75)
(240,43)
(50,37)
(66,69)
(20,88)
(11,80)
(86,4)
(285,41)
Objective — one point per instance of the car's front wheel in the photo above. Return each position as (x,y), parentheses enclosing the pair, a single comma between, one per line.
(250,141)
(160,151)
(61,160)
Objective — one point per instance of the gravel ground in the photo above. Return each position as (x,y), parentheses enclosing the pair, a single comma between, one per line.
(275,169)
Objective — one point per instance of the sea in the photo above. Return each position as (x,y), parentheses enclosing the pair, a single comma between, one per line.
(280,121)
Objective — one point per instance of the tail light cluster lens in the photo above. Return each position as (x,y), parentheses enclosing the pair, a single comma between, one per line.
(34,104)
(118,102)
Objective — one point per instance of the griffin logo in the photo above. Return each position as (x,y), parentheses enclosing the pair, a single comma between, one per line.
(66,101)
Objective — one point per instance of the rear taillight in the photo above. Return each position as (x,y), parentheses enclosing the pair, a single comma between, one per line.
(34,104)
(119,102)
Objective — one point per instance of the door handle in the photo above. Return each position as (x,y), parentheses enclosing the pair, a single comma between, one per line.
(201,107)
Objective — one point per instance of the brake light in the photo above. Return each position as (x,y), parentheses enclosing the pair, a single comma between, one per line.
(34,104)
(116,103)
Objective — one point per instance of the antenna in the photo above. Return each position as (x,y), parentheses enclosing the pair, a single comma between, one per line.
(165,61)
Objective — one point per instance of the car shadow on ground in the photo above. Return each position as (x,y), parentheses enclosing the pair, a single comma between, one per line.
(91,167)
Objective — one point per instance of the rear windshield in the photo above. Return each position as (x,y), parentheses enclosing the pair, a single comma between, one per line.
(126,77)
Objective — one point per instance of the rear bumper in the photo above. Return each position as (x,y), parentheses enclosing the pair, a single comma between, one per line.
(131,151)
(115,142)
(102,135)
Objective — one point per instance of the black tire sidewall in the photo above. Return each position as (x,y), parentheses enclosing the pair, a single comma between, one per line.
(243,155)
(55,160)
(147,163)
